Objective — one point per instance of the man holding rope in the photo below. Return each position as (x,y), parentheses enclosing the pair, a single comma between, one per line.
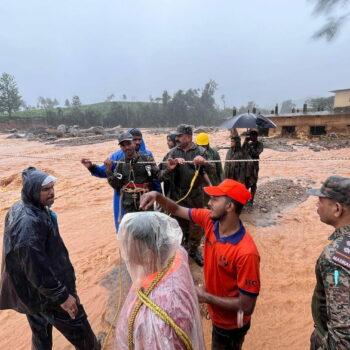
(181,174)
(231,260)
(100,170)
(132,177)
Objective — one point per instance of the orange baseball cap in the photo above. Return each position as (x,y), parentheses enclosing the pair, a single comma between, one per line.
(229,188)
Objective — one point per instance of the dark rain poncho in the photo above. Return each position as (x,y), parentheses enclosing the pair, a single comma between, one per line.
(36,272)
(238,171)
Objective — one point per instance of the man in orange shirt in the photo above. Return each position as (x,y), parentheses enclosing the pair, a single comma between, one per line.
(231,260)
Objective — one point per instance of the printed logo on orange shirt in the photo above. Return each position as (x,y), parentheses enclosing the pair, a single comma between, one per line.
(251,283)
(223,262)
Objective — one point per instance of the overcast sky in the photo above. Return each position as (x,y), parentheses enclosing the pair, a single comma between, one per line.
(257,50)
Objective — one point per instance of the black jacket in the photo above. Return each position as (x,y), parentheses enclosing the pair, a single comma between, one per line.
(36,272)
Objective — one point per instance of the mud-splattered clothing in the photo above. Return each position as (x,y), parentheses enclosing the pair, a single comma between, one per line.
(131,179)
(331,298)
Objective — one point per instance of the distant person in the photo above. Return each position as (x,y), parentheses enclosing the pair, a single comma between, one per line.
(216,177)
(132,177)
(181,174)
(255,148)
(331,298)
(150,245)
(100,170)
(231,260)
(37,277)
(237,171)
(170,140)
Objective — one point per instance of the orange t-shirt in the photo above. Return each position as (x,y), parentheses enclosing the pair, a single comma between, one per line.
(231,266)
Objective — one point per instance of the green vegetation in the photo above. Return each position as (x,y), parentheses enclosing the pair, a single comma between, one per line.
(10,100)
(194,106)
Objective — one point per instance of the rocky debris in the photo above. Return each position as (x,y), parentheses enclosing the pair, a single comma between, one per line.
(97,130)
(86,140)
(272,198)
(326,143)
(14,136)
(278,144)
(205,129)
(30,137)
(74,131)
(36,130)
(62,128)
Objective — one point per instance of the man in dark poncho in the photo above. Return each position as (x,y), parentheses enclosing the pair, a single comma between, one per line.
(37,277)
(238,171)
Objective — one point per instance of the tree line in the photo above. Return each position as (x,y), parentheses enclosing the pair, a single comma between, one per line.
(193,106)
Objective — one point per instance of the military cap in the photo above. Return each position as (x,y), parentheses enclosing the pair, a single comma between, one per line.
(125,136)
(336,188)
(135,132)
(184,129)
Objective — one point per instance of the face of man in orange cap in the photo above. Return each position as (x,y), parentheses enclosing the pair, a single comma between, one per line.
(229,196)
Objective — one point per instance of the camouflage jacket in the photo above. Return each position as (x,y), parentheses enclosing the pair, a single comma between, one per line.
(133,171)
(180,178)
(331,298)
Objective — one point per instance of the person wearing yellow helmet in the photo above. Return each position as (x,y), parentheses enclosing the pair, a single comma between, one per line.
(202,139)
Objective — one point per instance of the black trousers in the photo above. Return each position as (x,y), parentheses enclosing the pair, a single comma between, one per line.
(78,331)
(228,339)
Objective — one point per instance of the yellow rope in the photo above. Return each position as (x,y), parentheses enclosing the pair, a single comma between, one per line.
(196,173)
(166,318)
(105,342)
(159,276)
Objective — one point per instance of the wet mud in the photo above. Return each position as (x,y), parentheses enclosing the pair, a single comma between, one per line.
(290,236)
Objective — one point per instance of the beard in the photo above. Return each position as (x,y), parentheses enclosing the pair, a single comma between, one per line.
(217,216)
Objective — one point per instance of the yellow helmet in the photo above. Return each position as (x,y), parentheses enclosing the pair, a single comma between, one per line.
(202,139)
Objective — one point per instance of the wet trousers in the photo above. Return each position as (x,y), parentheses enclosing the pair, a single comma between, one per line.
(78,331)
(315,342)
(192,234)
(228,339)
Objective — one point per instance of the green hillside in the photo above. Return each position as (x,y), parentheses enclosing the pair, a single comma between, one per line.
(101,107)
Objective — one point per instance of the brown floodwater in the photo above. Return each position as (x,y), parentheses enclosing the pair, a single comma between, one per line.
(289,249)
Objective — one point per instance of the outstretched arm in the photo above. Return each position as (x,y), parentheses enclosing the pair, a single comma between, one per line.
(242,302)
(148,199)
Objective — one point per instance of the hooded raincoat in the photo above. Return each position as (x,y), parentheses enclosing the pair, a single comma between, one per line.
(100,171)
(36,272)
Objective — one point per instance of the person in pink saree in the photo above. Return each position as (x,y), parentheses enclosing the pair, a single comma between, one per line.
(161,310)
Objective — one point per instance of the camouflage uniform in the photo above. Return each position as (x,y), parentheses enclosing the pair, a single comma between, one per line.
(133,173)
(331,298)
(180,179)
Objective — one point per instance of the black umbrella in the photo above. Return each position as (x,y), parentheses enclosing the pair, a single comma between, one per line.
(249,121)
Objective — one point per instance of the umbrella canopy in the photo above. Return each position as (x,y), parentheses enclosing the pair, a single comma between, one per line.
(248,120)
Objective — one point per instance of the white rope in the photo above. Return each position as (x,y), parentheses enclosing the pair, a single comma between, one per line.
(186,161)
